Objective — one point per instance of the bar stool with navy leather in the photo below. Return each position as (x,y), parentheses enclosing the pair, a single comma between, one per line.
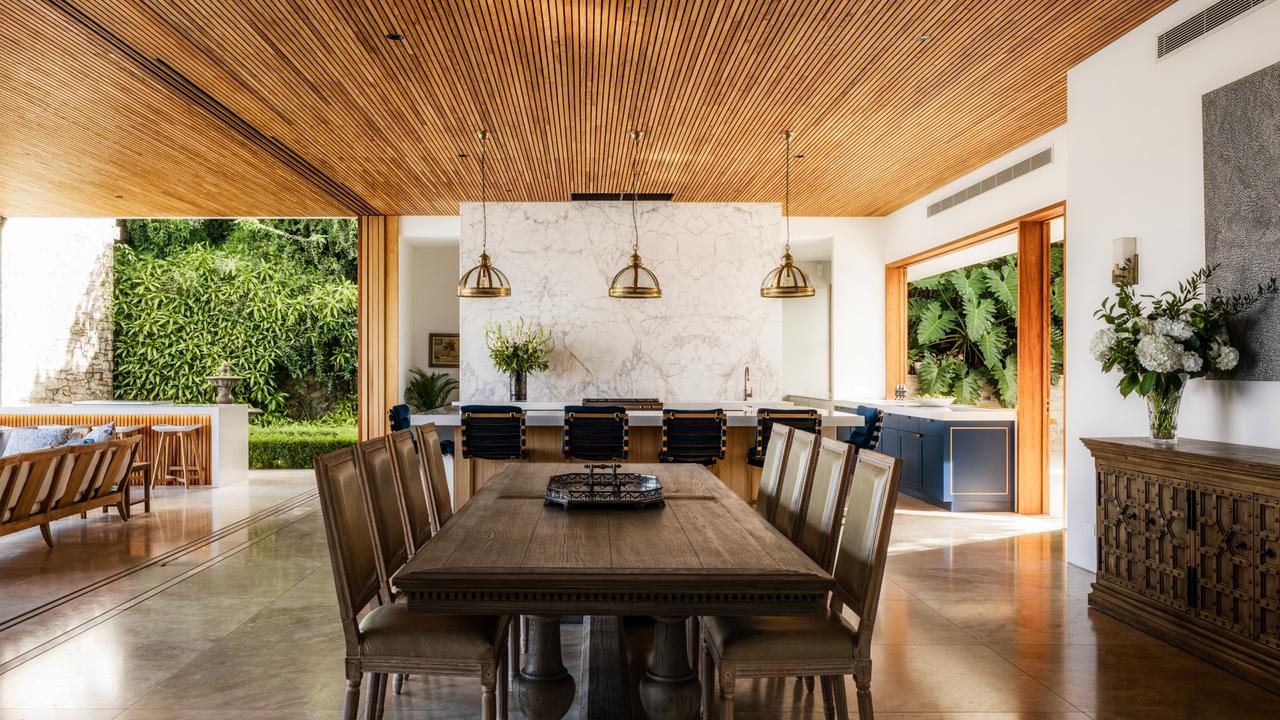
(693,436)
(596,433)
(807,420)
(493,432)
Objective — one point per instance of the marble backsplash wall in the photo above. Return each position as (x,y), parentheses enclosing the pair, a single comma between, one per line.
(689,345)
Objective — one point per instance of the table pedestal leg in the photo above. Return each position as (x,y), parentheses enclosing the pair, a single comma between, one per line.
(670,690)
(544,688)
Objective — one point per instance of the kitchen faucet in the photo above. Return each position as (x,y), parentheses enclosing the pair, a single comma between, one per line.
(746,384)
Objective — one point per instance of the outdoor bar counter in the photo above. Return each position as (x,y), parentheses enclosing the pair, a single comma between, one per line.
(224,432)
(544,422)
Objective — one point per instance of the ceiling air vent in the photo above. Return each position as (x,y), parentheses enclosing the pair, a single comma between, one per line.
(620,197)
(1017,170)
(1211,18)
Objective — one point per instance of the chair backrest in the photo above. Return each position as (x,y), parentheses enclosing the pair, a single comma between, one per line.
(596,432)
(771,472)
(441,503)
(493,432)
(819,526)
(867,437)
(412,474)
(797,473)
(398,417)
(693,436)
(353,549)
(807,420)
(123,453)
(25,480)
(864,544)
(379,473)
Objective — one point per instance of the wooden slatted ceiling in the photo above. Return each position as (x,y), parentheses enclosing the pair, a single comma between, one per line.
(881,117)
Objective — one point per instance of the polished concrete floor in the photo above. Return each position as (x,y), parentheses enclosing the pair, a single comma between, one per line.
(220,604)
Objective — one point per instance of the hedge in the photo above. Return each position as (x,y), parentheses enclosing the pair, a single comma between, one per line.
(276,447)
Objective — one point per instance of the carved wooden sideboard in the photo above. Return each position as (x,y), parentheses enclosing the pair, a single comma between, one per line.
(1189,548)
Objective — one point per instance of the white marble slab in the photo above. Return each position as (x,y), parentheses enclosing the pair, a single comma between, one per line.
(955,413)
(692,343)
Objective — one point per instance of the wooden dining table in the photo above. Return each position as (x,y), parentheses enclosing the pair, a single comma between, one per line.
(704,551)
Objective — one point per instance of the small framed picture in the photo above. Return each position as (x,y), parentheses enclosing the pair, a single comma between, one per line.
(444,350)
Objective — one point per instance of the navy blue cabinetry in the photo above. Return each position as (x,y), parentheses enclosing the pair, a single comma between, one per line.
(958,465)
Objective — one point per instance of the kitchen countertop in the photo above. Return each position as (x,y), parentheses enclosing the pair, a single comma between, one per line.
(955,413)
(551,414)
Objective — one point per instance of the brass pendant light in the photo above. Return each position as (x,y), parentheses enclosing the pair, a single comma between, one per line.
(635,281)
(483,280)
(787,280)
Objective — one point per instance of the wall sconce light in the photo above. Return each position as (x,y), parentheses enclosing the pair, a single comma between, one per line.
(1124,270)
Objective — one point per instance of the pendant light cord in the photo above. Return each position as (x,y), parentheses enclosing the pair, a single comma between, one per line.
(635,186)
(786,197)
(484,209)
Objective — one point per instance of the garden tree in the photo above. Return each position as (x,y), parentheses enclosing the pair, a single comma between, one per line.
(275,298)
(963,329)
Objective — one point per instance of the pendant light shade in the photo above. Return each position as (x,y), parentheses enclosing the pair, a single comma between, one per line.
(635,281)
(787,280)
(483,280)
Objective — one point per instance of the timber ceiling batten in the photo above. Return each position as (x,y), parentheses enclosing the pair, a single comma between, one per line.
(885,117)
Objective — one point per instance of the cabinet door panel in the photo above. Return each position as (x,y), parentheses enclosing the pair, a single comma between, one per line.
(1268,575)
(912,477)
(931,462)
(1143,542)
(1226,547)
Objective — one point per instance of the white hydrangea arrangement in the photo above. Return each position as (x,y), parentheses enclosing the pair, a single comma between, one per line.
(1182,335)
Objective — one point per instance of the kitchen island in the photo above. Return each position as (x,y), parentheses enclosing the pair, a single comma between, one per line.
(545,425)
(224,430)
(959,458)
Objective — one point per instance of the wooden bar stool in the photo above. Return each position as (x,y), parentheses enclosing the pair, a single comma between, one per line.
(141,467)
(184,440)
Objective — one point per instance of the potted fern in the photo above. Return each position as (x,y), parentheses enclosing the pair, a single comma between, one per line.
(427,391)
(519,348)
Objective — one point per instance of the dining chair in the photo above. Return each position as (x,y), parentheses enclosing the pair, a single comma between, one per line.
(693,436)
(793,487)
(390,639)
(597,433)
(380,477)
(766,418)
(771,472)
(818,529)
(412,474)
(827,644)
(439,500)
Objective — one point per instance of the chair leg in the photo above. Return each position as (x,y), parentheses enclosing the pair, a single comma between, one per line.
(503,684)
(808,683)
(693,631)
(397,683)
(351,704)
(46,534)
(706,669)
(380,698)
(182,458)
(728,681)
(513,651)
(371,696)
(828,698)
(488,698)
(863,681)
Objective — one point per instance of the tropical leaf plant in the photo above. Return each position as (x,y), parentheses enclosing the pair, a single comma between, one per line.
(427,391)
(963,329)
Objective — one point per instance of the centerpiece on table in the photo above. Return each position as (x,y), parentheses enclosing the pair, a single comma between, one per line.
(519,348)
(1182,335)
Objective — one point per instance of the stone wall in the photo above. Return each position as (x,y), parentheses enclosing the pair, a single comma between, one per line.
(56,281)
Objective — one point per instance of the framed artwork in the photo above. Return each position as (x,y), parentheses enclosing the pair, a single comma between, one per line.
(444,350)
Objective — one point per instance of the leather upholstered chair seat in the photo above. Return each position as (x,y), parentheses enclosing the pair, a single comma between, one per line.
(393,631)
(744,639)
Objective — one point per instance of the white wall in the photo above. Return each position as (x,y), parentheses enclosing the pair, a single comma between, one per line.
(1137,169)
(428,288)
(56,331)
(806,351)
(689,345)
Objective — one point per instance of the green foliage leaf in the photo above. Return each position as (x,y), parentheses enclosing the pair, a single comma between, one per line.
(1006,377)
(993,344)
(979,317)
(427,391)
(934,323)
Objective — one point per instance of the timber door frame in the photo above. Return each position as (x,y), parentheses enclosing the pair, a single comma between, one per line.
(1034,343)
(378,281)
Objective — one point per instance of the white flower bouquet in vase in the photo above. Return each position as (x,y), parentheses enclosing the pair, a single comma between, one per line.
(1180,336)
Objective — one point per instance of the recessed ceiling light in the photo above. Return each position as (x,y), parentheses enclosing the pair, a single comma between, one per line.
(462,155)
(394,36)
(924,38)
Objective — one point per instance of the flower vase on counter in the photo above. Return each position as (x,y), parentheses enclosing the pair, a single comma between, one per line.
(1183,335)
(517,349)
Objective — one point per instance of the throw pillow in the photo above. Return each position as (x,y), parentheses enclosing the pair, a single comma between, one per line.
(100,434)
(23,440)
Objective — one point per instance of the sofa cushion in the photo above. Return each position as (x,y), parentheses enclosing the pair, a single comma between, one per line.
(100,434)
(21,440)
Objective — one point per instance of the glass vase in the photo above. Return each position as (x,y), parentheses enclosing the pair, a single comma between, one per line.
(519,386)
(1162,410)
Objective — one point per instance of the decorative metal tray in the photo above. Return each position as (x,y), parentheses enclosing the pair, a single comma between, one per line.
(608,488)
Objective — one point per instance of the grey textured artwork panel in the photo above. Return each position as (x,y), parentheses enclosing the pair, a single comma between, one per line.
(1242,206)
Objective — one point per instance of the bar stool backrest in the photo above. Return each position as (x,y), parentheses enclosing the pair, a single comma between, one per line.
(693,436)
(493,432)
(348,530)
(433,462)
(771,472)
(598,433)
(797,474)
(411,472)
(864,543)
(379,474)
(808,420)
(819,527)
